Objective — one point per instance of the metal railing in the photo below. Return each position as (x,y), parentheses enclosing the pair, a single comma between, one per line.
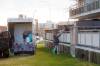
(85,8)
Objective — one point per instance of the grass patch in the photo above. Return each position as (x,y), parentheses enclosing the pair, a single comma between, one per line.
(44,57)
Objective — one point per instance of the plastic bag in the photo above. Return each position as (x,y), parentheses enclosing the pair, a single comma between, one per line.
(54,51)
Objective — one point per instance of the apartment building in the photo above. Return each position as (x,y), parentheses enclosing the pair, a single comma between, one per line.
(81,38)
(85,36)
(85,9)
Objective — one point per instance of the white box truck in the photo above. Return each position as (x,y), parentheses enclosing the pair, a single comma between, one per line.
(22,35)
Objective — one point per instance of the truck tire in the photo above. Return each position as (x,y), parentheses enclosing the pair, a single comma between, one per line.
(6,53)
(0,54)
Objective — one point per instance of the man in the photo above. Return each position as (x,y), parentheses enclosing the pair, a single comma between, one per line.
(56,36)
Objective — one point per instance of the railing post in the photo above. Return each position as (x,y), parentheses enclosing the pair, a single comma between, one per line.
(99,3)
(74,39)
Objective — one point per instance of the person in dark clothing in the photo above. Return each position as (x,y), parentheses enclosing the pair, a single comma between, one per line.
(55,39)
(56,36)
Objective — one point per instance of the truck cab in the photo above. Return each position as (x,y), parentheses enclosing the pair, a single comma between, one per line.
(4,43)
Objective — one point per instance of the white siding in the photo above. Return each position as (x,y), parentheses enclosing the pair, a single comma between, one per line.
(83,38)
(68,38)
(96,39)
(61,38)
(79,38)
(65,37)
(89,39)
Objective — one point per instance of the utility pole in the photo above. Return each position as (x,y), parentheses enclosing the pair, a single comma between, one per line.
(37,26)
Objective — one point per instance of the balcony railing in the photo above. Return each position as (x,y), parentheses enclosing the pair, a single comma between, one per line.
(85,8)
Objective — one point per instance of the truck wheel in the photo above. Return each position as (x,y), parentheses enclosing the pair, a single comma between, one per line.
(0,54)
(6,54)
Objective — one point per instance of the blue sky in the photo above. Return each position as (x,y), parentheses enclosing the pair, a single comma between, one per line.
(54,10)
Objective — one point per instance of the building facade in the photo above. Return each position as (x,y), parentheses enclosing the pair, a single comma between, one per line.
(85,9)
(50,25)
(81,38)
(87,45)
(41,29)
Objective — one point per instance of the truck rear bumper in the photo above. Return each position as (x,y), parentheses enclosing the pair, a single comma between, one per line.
(24,52)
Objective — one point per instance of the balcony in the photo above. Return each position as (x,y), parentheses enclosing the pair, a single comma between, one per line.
(86,9)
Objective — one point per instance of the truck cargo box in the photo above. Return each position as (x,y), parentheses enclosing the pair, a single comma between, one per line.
(22,34)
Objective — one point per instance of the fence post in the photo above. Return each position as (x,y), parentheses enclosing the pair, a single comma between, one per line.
(74,39)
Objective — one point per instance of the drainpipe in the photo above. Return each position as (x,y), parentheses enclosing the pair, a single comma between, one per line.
(74,39)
